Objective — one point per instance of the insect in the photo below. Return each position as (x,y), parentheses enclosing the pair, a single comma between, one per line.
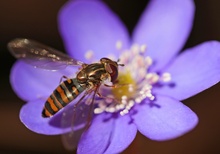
(85,84)
(88,79)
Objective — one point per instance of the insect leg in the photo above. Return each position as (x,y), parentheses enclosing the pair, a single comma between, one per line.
(75,106)
(63,77)
(105,97)
(79,120)
(117,85)
(89,119)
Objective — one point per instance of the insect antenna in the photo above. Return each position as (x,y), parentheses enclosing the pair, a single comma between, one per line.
(119,64)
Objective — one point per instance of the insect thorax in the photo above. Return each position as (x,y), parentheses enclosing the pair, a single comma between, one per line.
(91,73)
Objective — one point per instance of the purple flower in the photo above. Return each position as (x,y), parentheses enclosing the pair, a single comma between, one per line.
(158,76)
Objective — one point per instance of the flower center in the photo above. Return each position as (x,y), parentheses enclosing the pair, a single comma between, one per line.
(134,84)
(126,86)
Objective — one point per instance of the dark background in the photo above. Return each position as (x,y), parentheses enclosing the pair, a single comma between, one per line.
(37,19)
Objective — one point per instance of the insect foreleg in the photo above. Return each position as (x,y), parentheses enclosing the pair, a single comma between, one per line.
(106,97)
(117,85)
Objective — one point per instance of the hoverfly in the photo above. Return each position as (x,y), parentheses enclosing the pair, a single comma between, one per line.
(87,81)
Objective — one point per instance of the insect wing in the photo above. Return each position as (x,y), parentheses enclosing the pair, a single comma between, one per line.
(78,119)
(40,55)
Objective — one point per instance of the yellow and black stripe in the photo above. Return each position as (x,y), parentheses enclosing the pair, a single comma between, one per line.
(61,96)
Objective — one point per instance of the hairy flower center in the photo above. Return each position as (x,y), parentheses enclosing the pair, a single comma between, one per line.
(126,86)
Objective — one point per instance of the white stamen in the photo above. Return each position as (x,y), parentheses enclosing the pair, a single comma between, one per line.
(89,55)
(138,66)
(123,112)
(110,109)
(118,45)
(166,77)
(124,97)
(98,110)
(149,61)
(143,48)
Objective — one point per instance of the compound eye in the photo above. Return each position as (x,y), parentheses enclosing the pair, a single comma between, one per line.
(114,73)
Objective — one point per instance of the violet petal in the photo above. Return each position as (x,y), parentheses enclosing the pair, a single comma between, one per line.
(164,27)
(31,83)
(91,25)
(30,115)
(98,137)
(164,120)
(123,134)
(193,71)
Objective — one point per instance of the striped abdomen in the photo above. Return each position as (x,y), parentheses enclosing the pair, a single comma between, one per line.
(61,96)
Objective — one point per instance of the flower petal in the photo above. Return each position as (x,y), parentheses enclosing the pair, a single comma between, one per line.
(193,71)
(166,119)
(108,134)
(96,139)
(123,134)
(164,28)
(31,83)
(30,115)
(91,25)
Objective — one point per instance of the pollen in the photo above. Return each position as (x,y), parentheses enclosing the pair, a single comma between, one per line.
(126,86)
(135,82)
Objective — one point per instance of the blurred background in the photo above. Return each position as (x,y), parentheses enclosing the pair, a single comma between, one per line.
(38,20)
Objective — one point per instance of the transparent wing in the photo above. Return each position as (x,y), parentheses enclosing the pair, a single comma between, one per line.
(78,118)
(40,55)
